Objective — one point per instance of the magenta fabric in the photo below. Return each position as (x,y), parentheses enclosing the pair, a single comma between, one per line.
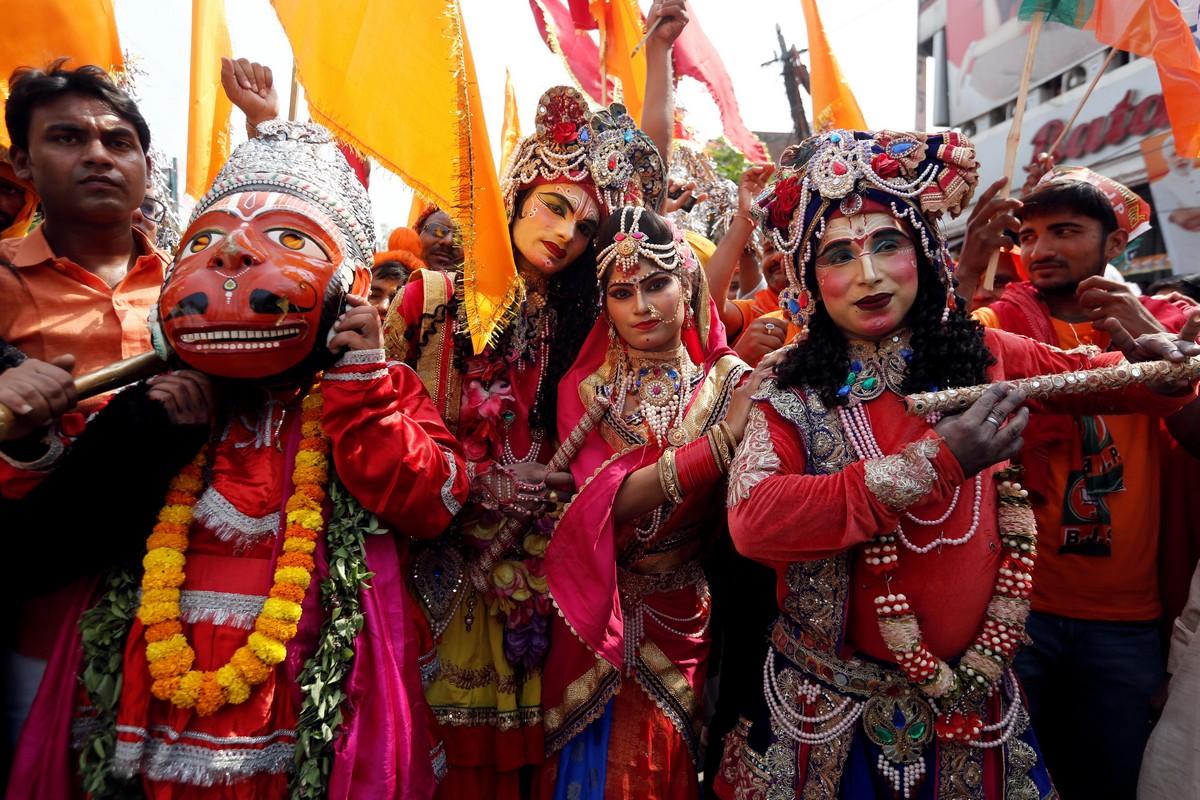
(387,736)
(695,56)
(44,764)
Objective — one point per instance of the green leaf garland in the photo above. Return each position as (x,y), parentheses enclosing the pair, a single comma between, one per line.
(323,678)
(103,629)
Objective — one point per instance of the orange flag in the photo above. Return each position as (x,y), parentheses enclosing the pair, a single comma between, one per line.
(208,107)
(834,105)
(35,32)
(510,131)
(348,61)
(621,28)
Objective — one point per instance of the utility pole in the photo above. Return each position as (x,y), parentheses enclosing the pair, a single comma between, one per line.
(795,75)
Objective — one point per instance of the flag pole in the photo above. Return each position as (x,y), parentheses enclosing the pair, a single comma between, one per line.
(294,97)
(1014,132)
(1112,52)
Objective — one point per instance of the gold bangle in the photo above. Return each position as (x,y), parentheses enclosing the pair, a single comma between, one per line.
(730,439)
(668,479)
(720,448)
(715,446)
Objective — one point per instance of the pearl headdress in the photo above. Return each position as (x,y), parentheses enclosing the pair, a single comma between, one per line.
(918,176)
(573,144)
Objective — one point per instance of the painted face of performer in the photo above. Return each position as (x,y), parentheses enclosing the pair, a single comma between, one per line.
(251,286)
(866,274)
(554,225)
(647,308)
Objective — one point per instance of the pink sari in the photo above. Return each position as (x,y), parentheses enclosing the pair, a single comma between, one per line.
(630,589)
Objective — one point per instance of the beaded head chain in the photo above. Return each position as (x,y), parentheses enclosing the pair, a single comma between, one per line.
(630,245)
(918,176)
(572,144)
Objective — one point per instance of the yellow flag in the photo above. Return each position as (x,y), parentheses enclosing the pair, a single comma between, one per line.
(510,132)
(621,28)
(415,210)
(35,32)
(209,107)
(834,105)
(351,67)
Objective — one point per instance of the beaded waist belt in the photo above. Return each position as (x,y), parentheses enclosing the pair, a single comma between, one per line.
(636,584)
(847,675)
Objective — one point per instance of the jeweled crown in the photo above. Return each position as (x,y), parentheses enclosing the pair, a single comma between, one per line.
(571,143)
(300,159)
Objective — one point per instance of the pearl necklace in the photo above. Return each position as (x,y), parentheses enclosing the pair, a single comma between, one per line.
(541,341)
(857,424)
(663,387)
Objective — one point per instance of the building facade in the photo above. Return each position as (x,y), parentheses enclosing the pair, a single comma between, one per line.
(970,55)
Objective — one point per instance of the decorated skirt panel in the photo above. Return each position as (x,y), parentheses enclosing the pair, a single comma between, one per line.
(830,729)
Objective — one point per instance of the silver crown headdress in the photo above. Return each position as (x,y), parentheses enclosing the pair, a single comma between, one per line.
(300,159)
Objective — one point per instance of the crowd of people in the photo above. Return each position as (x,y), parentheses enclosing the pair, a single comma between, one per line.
(676,530)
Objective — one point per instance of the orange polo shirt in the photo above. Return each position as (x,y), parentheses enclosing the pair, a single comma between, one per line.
(50,306)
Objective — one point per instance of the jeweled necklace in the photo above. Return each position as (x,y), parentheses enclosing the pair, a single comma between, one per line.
(538,317)
(662,383)
(875,367)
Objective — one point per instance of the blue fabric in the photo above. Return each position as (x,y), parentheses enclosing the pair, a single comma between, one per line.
(862,781)
(582,763)
(1089,684)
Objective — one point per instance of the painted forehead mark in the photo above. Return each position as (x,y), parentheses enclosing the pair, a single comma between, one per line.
(858,229)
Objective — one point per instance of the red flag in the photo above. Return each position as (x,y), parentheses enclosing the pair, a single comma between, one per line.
(579,53)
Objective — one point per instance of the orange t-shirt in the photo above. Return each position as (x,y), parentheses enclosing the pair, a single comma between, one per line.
(1087,568)
(763,302)
(50,306)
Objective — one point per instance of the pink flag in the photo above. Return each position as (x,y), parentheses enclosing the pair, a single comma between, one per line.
(697,58)
(579,53)
(562,25)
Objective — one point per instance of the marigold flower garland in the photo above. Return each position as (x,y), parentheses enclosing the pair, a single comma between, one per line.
(169,655)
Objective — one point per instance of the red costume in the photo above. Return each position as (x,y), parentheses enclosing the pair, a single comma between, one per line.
(267,534)
(482,585)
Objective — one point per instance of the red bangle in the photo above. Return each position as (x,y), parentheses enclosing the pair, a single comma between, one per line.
(697,467)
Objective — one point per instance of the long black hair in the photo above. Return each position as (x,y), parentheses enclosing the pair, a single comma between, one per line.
(573,294)
(945,354)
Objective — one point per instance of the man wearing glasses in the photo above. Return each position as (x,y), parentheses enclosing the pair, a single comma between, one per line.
(441,240)
(149,215)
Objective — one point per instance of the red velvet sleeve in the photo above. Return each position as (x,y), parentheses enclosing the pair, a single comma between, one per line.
(777,513)
(391,449)
(1022,357)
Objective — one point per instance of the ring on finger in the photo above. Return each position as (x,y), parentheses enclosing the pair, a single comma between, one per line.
(993,420)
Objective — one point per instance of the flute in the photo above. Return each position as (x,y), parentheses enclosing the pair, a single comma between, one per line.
(1085,381)
(482,569)
(105,379)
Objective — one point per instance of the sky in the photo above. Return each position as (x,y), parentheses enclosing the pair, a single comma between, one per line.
(873,40)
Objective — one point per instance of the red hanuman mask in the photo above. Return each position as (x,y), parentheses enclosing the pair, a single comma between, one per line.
(270,254)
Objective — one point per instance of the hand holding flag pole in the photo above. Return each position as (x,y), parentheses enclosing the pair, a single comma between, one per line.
(1014,132)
